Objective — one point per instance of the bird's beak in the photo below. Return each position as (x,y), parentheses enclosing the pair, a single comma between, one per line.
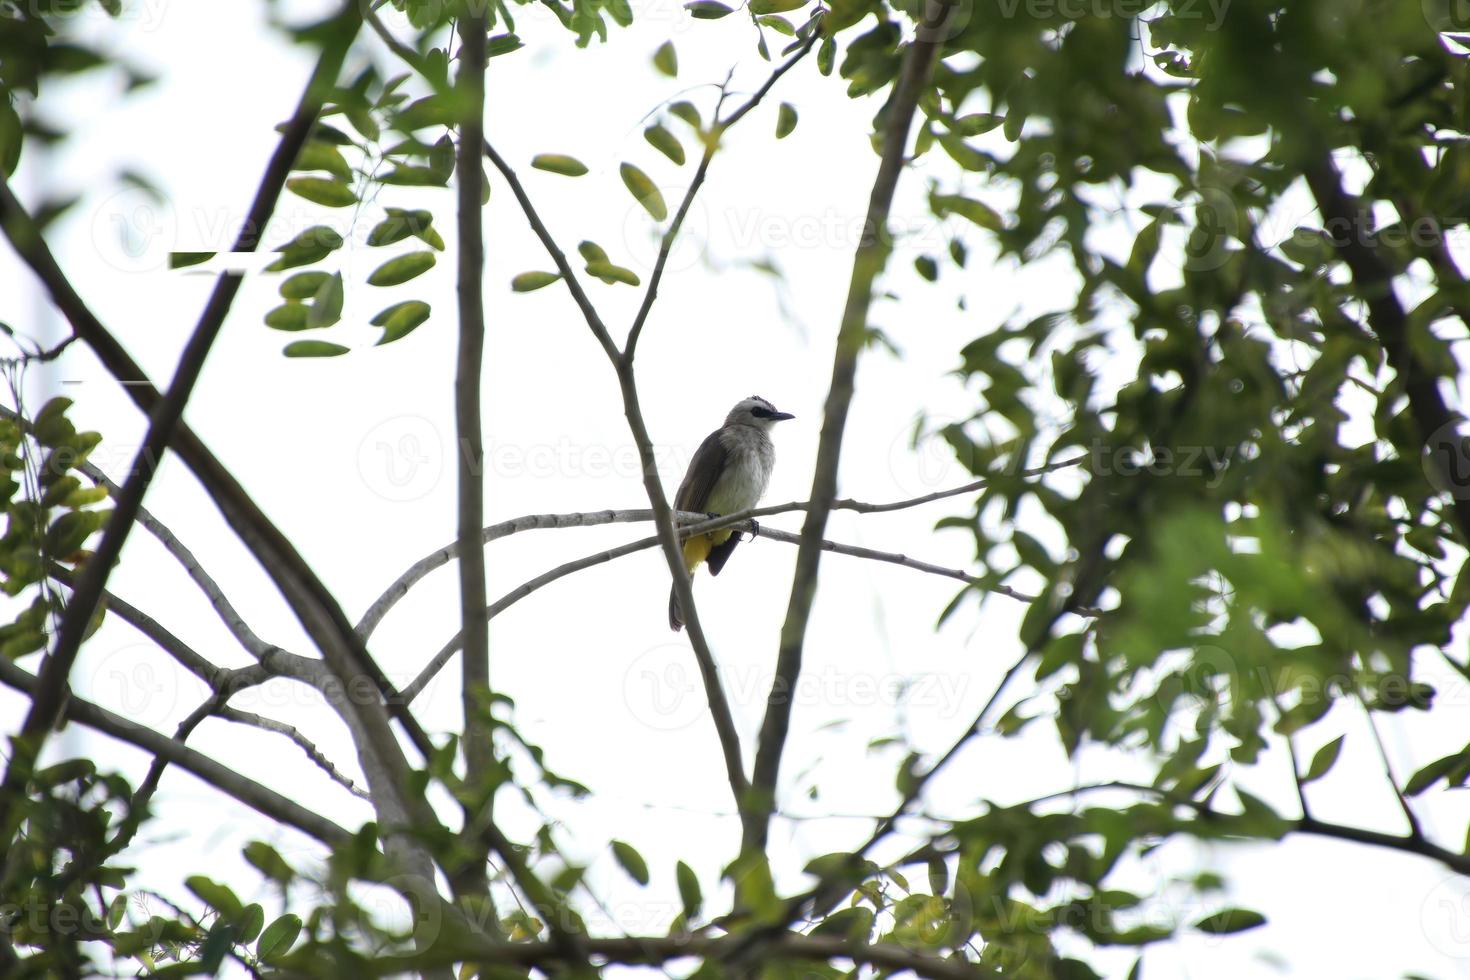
(781,416)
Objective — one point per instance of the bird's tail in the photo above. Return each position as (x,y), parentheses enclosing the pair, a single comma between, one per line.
(696,550)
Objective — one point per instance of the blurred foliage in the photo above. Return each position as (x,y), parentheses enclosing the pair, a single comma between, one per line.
(1253,536)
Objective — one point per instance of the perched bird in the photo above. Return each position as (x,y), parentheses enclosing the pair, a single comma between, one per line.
(729,473)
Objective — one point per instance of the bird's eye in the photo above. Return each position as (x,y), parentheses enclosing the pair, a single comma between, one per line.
(761,413)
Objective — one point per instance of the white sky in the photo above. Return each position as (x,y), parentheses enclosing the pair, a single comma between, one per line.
(349,456)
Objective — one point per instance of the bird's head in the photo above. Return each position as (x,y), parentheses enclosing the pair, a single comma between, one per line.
(755,411)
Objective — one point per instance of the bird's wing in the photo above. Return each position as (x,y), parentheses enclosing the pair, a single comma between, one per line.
(704,470)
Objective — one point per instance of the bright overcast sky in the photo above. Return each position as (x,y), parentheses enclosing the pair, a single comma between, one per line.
(351,458)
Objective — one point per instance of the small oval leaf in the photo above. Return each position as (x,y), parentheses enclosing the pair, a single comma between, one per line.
(785,120)
(707,9)
(288,316)
(527,281)
(666,59)
(558,163)
(303,285)
(631,861)
(642,188)
(665,142)
(400,319)
(314,348)
(402,269)
(323,190)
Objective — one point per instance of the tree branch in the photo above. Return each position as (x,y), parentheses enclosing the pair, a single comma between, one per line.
(711,145)
(868,263)
(478,745)
(655,950)
(531,522)
(309,599)
(56,667)
(223,778)
(1344,217)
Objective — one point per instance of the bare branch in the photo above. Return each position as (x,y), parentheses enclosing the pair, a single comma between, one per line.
(442,556)
(691,524)
(478,746)
(868,262)
(305,744)
(223,778)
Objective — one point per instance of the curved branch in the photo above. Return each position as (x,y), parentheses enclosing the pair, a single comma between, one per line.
(531,522)
(692,524)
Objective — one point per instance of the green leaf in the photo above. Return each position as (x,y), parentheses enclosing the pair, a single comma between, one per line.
(644,190)
(927,267)
(707,9)
(981,214)
(312,245)
(268,861)
(276,941)
(666,59)
(250,923)
(288,316)
(1432,773)
(321,155)
(527,281)
(631,861)
(689,891)
(558,163)
(775,6)
(412,175)
(326,306)
(1228,921)
(686,112)
(181,260)
(592,252)
(400,319)
(610,273)
(1324,759)
(314,348)
(401,269)
(217,896)
(323,190)
(785,120)
(503,44)
(665,142)
(303,285)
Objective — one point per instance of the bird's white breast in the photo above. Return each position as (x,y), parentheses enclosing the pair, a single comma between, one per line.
(749,460)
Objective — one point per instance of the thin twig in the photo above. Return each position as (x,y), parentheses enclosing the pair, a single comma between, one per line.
(530,522)
(227,780)
(868,262)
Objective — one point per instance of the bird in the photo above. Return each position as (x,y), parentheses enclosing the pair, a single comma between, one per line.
(728,473)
